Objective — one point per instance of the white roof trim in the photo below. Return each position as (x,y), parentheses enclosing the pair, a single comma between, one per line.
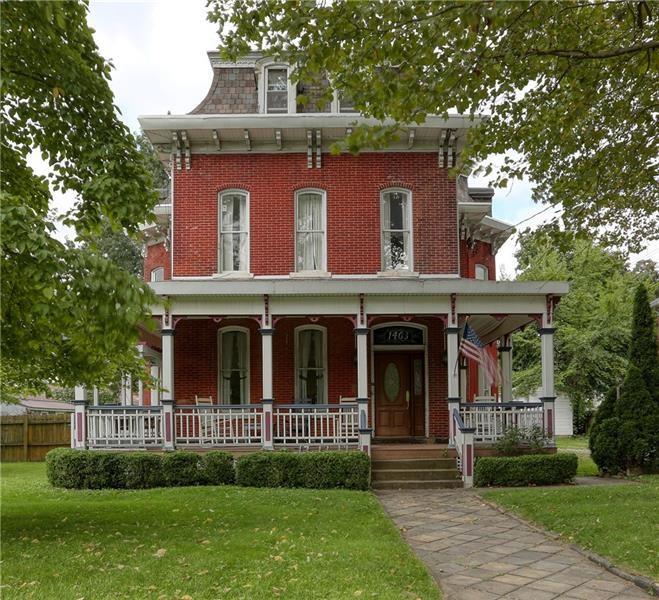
(281,121)
(389,287)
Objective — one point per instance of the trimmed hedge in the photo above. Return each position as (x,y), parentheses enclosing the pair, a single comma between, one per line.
(532,469)
(92,469)
(95,469)
(321,470)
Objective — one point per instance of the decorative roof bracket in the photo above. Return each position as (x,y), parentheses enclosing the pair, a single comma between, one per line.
(176,149)
(278,138)
(309,149)
(319,149)
(216,138)
(186,146)
(410,138)
(248,141)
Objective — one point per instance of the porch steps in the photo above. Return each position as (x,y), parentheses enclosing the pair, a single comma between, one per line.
(413,466)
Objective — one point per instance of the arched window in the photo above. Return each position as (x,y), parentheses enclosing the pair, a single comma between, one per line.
(311,364)
(396,216)
(234,365)
(158,274)
(481,272)
(310,240)
(234,231)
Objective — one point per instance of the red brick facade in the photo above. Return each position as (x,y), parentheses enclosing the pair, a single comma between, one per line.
(353,186)
(157,255)
(196,361)
(476,253)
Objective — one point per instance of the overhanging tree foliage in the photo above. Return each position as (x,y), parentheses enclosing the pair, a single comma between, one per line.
(593,321)
(68,313)
(569,86)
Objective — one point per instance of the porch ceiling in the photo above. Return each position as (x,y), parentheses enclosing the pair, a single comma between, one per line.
(489,327)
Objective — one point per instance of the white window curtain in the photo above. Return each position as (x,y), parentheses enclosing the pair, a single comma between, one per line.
(311,366)
(234,233)
(310,232)
(396,231)
(234,372)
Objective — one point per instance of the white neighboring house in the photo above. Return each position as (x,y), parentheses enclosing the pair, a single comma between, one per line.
(563,416)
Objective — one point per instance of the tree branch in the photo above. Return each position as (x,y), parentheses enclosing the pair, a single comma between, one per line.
(583,55)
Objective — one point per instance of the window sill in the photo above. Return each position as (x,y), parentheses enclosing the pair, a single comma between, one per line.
(234,275)
(402,273)
(310,275)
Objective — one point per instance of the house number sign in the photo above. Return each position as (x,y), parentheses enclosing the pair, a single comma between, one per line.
(398,336)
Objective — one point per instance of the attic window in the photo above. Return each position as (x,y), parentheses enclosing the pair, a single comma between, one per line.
(276,95)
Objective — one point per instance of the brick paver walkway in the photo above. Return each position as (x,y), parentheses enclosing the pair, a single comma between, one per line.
(477,553)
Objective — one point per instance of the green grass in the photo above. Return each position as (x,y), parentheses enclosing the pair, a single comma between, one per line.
(205,542)
(620,522)
(579,445)
(574,442)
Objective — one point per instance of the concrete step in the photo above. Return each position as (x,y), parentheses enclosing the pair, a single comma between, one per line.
(412,451)
(414,463)
(414,474)
(417,484)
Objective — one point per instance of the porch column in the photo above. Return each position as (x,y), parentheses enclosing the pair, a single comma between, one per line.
(365,432)
(79,437)
(506,354)
(468,456)
(266,356)
(548,394)
(452,333)
(453,404)
(547,353)
(155,377)
(267,400)
(167,401)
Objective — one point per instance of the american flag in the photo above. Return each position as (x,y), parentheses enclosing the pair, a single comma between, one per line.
(472,347)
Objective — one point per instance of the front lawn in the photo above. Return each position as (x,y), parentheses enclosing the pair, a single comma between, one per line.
(206,542)
(579,445)
(620,522)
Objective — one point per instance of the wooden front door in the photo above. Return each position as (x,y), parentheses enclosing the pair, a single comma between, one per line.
(393,395)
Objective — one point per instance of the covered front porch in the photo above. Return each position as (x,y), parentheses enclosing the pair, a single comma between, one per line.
(320,364)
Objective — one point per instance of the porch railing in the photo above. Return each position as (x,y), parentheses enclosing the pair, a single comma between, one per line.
(491,420)
(463,441)
(304,425)
(219,425)
(124,427)
(316,425)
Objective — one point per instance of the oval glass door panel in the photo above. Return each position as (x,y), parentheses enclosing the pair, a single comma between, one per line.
(391,382)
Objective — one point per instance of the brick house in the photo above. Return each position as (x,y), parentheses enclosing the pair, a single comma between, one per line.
(316,299)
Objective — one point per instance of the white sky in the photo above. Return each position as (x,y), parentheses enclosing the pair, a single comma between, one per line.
(159,50)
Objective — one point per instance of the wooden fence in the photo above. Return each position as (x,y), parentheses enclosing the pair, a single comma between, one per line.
(29,437)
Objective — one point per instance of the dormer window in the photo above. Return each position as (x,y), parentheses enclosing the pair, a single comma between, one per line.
(346,104)
(276,93)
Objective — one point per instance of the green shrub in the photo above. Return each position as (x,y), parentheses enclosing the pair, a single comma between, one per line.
(181,468)
(515,441)
(350,470)
(218,468)
(142,470)
(68,468)
(605,445)
(532,469)
(104,470)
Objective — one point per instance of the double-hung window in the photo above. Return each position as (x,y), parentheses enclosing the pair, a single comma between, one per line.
(396,230)
(310,231)
(234,231)
(234,366)
(310,365)
(276,90)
